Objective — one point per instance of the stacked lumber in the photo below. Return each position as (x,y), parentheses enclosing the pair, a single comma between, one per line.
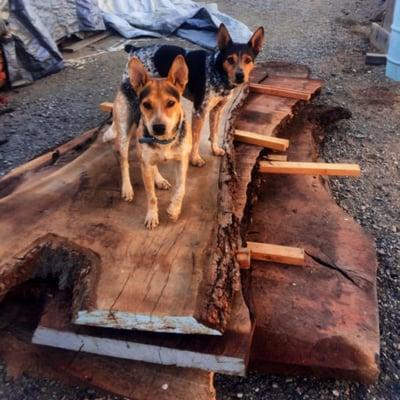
(306,309)
(225,354)
(173,296)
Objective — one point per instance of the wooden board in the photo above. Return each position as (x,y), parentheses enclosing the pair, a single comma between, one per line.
(106,106)
(261,140)
(309,168)
(225,354)
(290,87)
(71,48)
(278,91)
(62,215)
(276,253)
(129,379)
(276,157)
(321,319)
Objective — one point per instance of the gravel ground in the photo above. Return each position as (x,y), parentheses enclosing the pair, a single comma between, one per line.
(329,36)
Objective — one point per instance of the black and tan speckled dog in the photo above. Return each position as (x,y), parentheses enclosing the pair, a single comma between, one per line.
(150,109)
(212,77)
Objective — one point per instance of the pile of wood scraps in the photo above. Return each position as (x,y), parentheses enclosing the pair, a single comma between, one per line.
(172,298)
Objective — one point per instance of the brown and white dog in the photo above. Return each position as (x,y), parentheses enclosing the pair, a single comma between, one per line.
(150,109)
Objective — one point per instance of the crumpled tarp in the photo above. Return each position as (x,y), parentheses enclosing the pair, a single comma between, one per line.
(185,18)
(36,25)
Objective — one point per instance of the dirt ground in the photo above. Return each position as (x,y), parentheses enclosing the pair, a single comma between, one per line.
(330,36)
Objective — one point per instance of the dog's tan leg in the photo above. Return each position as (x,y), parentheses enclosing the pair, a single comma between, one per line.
(197,125)
(123,149)
(215,116)
(123,132)
(175,206)
(148,174)
(161,182)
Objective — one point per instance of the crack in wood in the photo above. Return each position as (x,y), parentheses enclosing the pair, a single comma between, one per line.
(326,262)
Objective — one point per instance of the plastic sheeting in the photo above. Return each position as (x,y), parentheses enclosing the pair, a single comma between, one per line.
(37,25)
(185,18)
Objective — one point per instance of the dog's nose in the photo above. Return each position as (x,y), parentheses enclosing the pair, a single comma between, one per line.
(239,77)
(159,129)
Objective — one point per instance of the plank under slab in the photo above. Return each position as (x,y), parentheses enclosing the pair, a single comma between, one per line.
(227,354)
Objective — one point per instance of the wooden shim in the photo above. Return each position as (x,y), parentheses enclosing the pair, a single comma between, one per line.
(225,354)
(106,107)
(243,258)
(71,48)
(261,140)
(309,168)
(277,157)
(276,253)
(278,91)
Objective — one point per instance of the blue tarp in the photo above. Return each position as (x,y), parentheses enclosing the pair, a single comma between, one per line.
(37,25)
(184,18)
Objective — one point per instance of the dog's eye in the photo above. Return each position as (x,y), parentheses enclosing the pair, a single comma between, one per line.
(230,60)
(170,103)
(147,105)
(247,60)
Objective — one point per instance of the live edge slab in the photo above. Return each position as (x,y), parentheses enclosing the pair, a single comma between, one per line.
(61,215)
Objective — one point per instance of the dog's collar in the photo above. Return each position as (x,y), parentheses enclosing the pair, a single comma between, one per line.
(147,138)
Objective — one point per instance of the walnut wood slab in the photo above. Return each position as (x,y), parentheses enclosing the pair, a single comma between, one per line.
(61,215)
(320,319)
(266,115)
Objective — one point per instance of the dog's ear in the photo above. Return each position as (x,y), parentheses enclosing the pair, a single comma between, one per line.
(138,74)
(257,40)
(178,74)
(223,37)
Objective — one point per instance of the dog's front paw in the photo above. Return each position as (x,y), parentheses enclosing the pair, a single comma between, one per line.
(174,211)
(163,184)
(127,192)
(197,161)
(151,220)
(218,151)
